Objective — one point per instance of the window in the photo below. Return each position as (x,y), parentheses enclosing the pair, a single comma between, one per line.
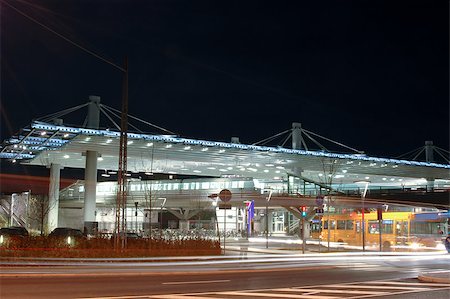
(332,224)
(349,224)
(341,224)
(387,227)
(373,227)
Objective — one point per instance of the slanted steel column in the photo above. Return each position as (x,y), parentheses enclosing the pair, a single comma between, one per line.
(297,136)
(90,173)
(429,147)
(53,196)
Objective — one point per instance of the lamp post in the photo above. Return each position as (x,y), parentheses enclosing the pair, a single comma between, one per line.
(363,223)
(160,217)
(267,214)
(136,203)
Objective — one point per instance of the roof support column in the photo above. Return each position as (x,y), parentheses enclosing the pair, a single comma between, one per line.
(90,189)
(53,196)
(90,172)
(297,136)
(429,158)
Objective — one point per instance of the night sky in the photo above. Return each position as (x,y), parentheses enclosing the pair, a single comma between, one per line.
(373,75)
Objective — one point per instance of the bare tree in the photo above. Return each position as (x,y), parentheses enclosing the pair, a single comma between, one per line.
(39,208)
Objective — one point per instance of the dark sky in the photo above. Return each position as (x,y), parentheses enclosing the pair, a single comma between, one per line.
(373,75)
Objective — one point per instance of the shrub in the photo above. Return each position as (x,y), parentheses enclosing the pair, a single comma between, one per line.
(42,246)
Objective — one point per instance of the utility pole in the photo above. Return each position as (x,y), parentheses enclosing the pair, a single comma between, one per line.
(120,241)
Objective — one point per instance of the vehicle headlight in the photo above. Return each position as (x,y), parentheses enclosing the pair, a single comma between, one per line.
(69,240)
(1,239)
(440,246)
(415,245)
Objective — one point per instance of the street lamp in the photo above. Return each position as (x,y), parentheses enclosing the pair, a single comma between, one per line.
(267,213)
(160,217)
(136,203)
(363,224)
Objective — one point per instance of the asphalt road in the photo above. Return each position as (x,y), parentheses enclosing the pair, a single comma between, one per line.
(254,277)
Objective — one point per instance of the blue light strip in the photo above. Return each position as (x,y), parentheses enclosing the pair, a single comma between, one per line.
(171,139)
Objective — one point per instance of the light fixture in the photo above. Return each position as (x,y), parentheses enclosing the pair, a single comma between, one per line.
(99,159)
(109,141)
(150,144)
(130,142)
(168,145)
(187,148)
(66,156)
(43,133)
(66,135)
(204,149)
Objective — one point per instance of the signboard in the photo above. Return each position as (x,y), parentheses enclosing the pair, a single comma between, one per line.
(224,206)
(225,195)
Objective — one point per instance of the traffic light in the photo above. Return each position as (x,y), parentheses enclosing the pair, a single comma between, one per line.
(303,211)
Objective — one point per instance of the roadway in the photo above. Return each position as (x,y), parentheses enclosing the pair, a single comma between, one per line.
(334,275)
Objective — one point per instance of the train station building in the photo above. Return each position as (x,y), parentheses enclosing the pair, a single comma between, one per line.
(183,184)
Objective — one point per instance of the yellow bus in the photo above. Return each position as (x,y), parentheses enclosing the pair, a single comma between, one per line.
(398,229)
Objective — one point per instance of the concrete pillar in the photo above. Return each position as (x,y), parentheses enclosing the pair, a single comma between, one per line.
(297,136)
(235,140)
(90,173)
(93,120)
(183,224)
(429,158)
(429,151)
(53,196)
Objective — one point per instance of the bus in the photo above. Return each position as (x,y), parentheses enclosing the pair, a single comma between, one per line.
(399,230)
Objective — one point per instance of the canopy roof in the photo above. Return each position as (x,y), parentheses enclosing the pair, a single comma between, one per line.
(44,143)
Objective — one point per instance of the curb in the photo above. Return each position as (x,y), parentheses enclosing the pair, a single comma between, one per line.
(430,277)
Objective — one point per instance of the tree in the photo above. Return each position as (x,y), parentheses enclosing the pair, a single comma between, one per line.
(38,210)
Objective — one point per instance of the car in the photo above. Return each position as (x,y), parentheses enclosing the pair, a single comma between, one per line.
(71,236)
(66,232)
(13,232)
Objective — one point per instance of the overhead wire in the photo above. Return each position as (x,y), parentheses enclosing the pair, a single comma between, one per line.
(63,37)
(143,121)
(119,117)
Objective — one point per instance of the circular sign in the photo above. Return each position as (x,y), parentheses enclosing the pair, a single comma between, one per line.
(319,200)
(225,195)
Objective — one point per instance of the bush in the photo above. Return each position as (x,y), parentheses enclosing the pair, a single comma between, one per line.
(42,246)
